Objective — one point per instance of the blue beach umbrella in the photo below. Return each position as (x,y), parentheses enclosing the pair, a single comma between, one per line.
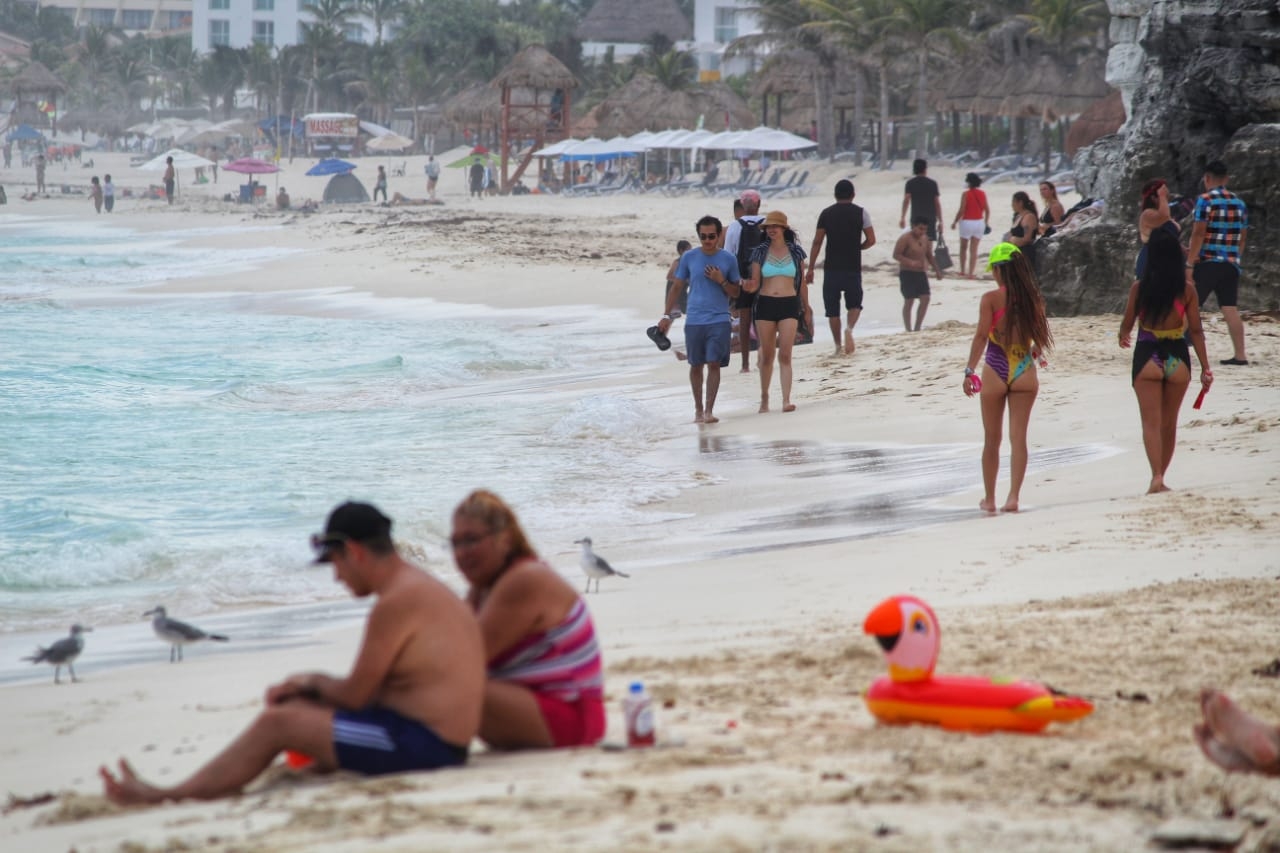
(24,133)
(331,166)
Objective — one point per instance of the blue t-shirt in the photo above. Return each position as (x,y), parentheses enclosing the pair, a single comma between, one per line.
(708,302)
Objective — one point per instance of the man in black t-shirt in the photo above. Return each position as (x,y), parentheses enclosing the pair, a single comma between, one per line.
(847,229)
(924,199)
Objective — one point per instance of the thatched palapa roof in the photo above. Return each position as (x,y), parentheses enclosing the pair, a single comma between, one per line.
(617,115)
(1102,117)
(476,105)
(634,21)
(535,68)
(1053,90)
(36,78)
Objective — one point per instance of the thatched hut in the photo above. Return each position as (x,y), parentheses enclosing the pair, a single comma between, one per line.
(33,85)
(621,113)
(1103,116)
(476,107)
(633,22)
(789,78)
(536,94)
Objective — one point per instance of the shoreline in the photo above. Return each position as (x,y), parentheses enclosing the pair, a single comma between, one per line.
(1094,587)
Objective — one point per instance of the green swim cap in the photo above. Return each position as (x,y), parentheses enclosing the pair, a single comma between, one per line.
(1000,253)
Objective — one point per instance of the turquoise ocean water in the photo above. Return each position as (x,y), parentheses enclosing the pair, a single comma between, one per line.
(180,449)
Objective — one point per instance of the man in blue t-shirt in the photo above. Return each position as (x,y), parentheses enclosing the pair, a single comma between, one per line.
(1213,258)
(713,280)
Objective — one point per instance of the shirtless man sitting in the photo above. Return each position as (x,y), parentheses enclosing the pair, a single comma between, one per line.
(413,698)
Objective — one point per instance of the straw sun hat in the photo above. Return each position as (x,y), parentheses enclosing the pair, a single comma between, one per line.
(775,217)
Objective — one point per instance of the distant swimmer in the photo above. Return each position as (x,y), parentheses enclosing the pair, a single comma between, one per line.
(177,634)
(594,566)
(65,651)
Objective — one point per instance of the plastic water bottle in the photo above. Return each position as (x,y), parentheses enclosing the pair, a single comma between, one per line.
(637,708)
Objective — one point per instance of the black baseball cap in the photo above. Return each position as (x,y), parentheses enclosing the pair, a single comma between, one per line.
(350,522)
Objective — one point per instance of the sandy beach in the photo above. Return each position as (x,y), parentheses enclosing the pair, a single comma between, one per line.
(743,613)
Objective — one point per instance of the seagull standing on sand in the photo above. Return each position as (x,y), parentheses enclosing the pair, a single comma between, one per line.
(177,634)
(65,651)
(594,566)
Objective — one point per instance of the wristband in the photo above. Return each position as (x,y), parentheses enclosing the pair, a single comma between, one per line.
(666,316)
(969,371)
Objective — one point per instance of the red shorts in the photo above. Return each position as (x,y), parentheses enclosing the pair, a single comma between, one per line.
(579,723)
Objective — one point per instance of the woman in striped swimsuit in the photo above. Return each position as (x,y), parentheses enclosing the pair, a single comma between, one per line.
(546,682)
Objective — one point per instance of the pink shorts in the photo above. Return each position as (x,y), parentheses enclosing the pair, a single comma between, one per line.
(579,723)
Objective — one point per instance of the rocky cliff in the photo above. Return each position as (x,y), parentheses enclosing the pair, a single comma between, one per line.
(1201,81)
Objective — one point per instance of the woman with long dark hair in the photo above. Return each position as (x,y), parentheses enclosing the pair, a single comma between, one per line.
(1167,311)
(1012,335)
(777,276)
(1026,222)
(1155,214)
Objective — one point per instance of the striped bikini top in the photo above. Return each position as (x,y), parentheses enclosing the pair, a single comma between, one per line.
(563,662)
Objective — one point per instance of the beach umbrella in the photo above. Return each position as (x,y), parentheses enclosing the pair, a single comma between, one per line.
(24,133)
(331,166)
(389,142)
(251,166)
(468,160)
(181,160)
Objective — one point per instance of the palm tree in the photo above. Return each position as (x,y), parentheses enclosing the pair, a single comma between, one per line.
(382,12)
(1068,26)
(786,23)
(925,27)
(219,75)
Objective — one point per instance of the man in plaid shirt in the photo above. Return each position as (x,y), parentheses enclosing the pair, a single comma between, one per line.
(1217,241)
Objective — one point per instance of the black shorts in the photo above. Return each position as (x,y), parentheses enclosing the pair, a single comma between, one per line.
(837,282)
(913,284)
(775,309)
(1220,278)
(744,300)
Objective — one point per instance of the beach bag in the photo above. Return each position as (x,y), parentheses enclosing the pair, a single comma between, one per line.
(751,236)
(941,254)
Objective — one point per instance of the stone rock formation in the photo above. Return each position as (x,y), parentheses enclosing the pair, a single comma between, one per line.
(1200,81)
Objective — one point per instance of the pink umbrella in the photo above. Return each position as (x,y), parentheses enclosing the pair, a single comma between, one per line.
(251,166)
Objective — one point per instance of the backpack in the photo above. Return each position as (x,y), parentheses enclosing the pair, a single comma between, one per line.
(751,236)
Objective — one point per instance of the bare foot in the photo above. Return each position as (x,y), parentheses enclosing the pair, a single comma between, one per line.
(848,342)
(1218,752)
(697,417)
(709,418)
(764,406)
(1010,505)
(1157,486)
(839,350)
(788,407)
(128,790)
(987,505)
(745,370)
(1241,733)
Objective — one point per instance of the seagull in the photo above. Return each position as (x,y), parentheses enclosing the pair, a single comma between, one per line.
(65,651)
(594,566)
(176,633)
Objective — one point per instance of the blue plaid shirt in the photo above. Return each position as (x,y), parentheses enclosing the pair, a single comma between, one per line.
(1226,218)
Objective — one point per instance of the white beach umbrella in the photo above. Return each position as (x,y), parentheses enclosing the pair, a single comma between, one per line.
(557,148)
(181,160)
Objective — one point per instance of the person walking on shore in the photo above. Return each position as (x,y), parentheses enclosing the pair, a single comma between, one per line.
(846,228)
(1014,330)
(108,194)
(973,219)
(1217,242)
(380,185)
(914,254)
(741,239)
(924,199)
(433,176)
(170,179)
(40,167)
(1164,304)
(412,701)
(713,280)
(95,194)
(782,299)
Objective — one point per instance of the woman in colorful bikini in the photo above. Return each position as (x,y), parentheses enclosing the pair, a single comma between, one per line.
(777,268)
(1165,307)
(546,683)
(1155,214)
(1012,335)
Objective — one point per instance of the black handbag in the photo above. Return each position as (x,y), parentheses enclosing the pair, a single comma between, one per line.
(941,254)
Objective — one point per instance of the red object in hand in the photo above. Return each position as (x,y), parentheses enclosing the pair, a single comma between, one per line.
(297,760)
(975,383)
(1204,389)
